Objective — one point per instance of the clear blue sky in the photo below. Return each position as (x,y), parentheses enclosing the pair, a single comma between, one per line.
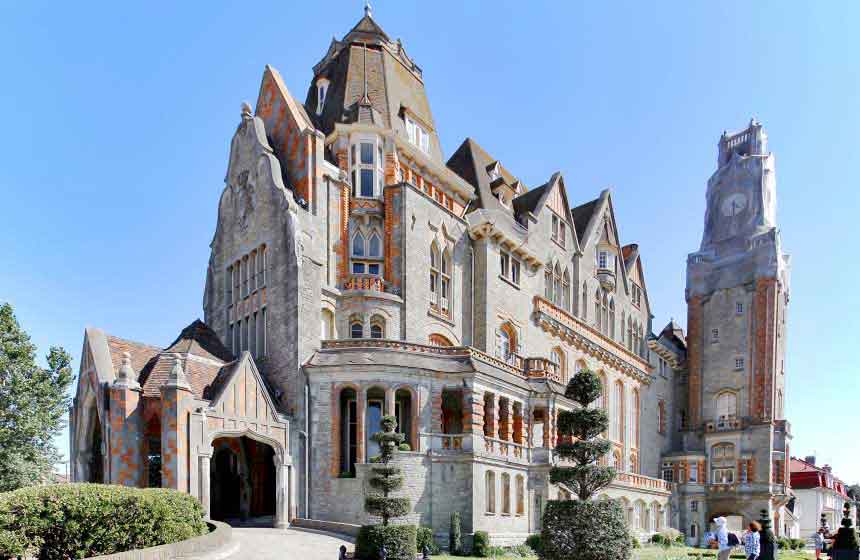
(118,118)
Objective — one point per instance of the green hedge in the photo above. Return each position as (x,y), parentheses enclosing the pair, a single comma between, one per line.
(399,540)
(425,537)
(592,530)
(481,544)
(80,520)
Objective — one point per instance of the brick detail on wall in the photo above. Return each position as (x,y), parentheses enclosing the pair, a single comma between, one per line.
(473,413)
(342,248)
(126,465)
(391,226)
(695,324)
(764,326)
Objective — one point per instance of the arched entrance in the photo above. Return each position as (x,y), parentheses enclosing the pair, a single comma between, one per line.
(242,480)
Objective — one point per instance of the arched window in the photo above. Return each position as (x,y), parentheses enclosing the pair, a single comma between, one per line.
(617,464)
(375,246)
(327,325)
(506,494)
(604,310)
(403,412)
(723,452)
(556,356)
(358,245)
(439,340)
(779,405)
(507,343)
(377,330)
(348,430)
(694,531)
(445,291)
(619,412)
(435,274)
(356,330)
(634,463)
(490,491)
(547,284)
(630,333)
(366,254)
(612,318)
(634,419)
(621,330)
(727,405)
(598,317)
(565,290)
(521,495)
(557,293)
(603,401)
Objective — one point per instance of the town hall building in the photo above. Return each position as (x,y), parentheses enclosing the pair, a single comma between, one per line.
(355,272)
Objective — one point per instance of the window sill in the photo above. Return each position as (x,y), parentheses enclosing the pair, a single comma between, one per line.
(505,515)
(441,316)
(509,282)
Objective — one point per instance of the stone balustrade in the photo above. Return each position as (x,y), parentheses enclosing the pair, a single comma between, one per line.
(642,482)
(506,449)
(367,282)
(445,443)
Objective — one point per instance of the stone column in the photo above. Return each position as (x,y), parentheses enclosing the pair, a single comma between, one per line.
(504,419)
(361,430)
(282,501)
(490,415)
(205,469)
(125,454)
(389,402)
(176,399)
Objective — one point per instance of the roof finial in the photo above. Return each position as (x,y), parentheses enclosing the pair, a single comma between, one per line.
(368,10)
(176,378)
(125,376)
(246,110)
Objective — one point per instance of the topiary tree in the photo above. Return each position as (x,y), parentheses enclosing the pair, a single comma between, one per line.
(845,546)
(584,529)
(399,541)
(455,535)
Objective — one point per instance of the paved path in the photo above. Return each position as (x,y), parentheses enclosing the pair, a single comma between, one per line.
(286,544)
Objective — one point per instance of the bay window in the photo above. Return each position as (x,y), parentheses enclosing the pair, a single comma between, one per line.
(366,164)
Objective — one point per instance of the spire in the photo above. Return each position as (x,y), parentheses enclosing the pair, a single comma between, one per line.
(368,10)
(125,377)
(176,379)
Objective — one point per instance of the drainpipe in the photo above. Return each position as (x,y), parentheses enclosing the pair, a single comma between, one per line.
(305,434)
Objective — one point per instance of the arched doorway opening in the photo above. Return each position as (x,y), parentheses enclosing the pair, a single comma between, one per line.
(242,480)
(95,459)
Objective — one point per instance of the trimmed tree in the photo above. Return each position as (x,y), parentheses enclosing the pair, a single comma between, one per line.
(33,403)
(399,541)
(583,529)
(845,546)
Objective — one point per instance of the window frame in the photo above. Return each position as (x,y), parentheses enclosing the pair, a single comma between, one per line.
(417,135)
(357,165)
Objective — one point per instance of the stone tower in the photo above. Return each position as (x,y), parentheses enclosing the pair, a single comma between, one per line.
(737,295)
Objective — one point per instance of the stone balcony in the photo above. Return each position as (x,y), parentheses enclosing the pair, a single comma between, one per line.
(606,278)
(366,282)
(724,424)
(642,482)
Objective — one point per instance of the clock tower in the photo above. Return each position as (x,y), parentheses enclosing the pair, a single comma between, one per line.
(737,295)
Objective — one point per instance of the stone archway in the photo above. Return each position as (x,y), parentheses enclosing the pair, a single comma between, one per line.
(243,480)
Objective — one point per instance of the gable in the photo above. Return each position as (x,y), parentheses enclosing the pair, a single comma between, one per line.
(556,201)
(239,391)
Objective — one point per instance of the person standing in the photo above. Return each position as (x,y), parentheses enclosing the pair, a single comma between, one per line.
(818,538)
(722,539)
(752,541)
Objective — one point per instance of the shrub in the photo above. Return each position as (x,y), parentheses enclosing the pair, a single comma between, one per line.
(846,537)
(521,550)
(585,530)
(657,538)
(399,541)
(784,543)
(424,538)
(404,447)
(534,543)
(455,535)
(81,520)
(634,542)
(481,544)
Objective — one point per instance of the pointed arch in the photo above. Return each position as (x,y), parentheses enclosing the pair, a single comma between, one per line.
(374,245)
(358,245)
(557,293)
(611,317)
(565,289)
(557,356)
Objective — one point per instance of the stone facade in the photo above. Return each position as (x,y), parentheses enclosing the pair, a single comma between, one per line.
(355,273)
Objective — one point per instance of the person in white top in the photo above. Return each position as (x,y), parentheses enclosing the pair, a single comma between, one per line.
(722,539)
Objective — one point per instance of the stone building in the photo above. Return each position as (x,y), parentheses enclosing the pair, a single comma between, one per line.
(818,494)
(355,272)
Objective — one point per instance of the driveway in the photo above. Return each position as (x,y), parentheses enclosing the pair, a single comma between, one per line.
(286,544)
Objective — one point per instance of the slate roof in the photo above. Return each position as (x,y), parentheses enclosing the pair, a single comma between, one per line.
(673,331)
(629,253)
(471,162)
(528,202)
(582,216)
(806,475)
(198,348)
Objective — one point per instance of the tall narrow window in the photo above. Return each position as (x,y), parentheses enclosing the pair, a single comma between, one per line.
(417,135)
(356,330)
(445,291)
(366,254)
(597,315)
(348,431)
(377,327)
(506,494)
(584,303)
(435,274)
(556,286)
(547,279)
(490,491)
(612,318)
(565,289)
(521,495)
(367,172)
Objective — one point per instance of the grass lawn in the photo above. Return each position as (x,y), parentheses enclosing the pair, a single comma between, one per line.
(646,553)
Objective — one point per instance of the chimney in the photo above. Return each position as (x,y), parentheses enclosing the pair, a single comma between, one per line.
(810,459)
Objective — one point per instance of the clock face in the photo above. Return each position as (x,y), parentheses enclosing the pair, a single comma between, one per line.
(733,204)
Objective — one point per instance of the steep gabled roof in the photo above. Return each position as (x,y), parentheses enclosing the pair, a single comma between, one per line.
(582,215)
(471,162)
(673,331)
(366,30)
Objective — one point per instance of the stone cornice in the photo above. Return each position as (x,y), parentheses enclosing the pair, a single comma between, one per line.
(562,324)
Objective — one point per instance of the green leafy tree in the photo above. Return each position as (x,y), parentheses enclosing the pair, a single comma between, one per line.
(33,403)
(583,529)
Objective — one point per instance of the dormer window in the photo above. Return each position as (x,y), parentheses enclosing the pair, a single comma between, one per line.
(322,90)
(417,135)
(366,163)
